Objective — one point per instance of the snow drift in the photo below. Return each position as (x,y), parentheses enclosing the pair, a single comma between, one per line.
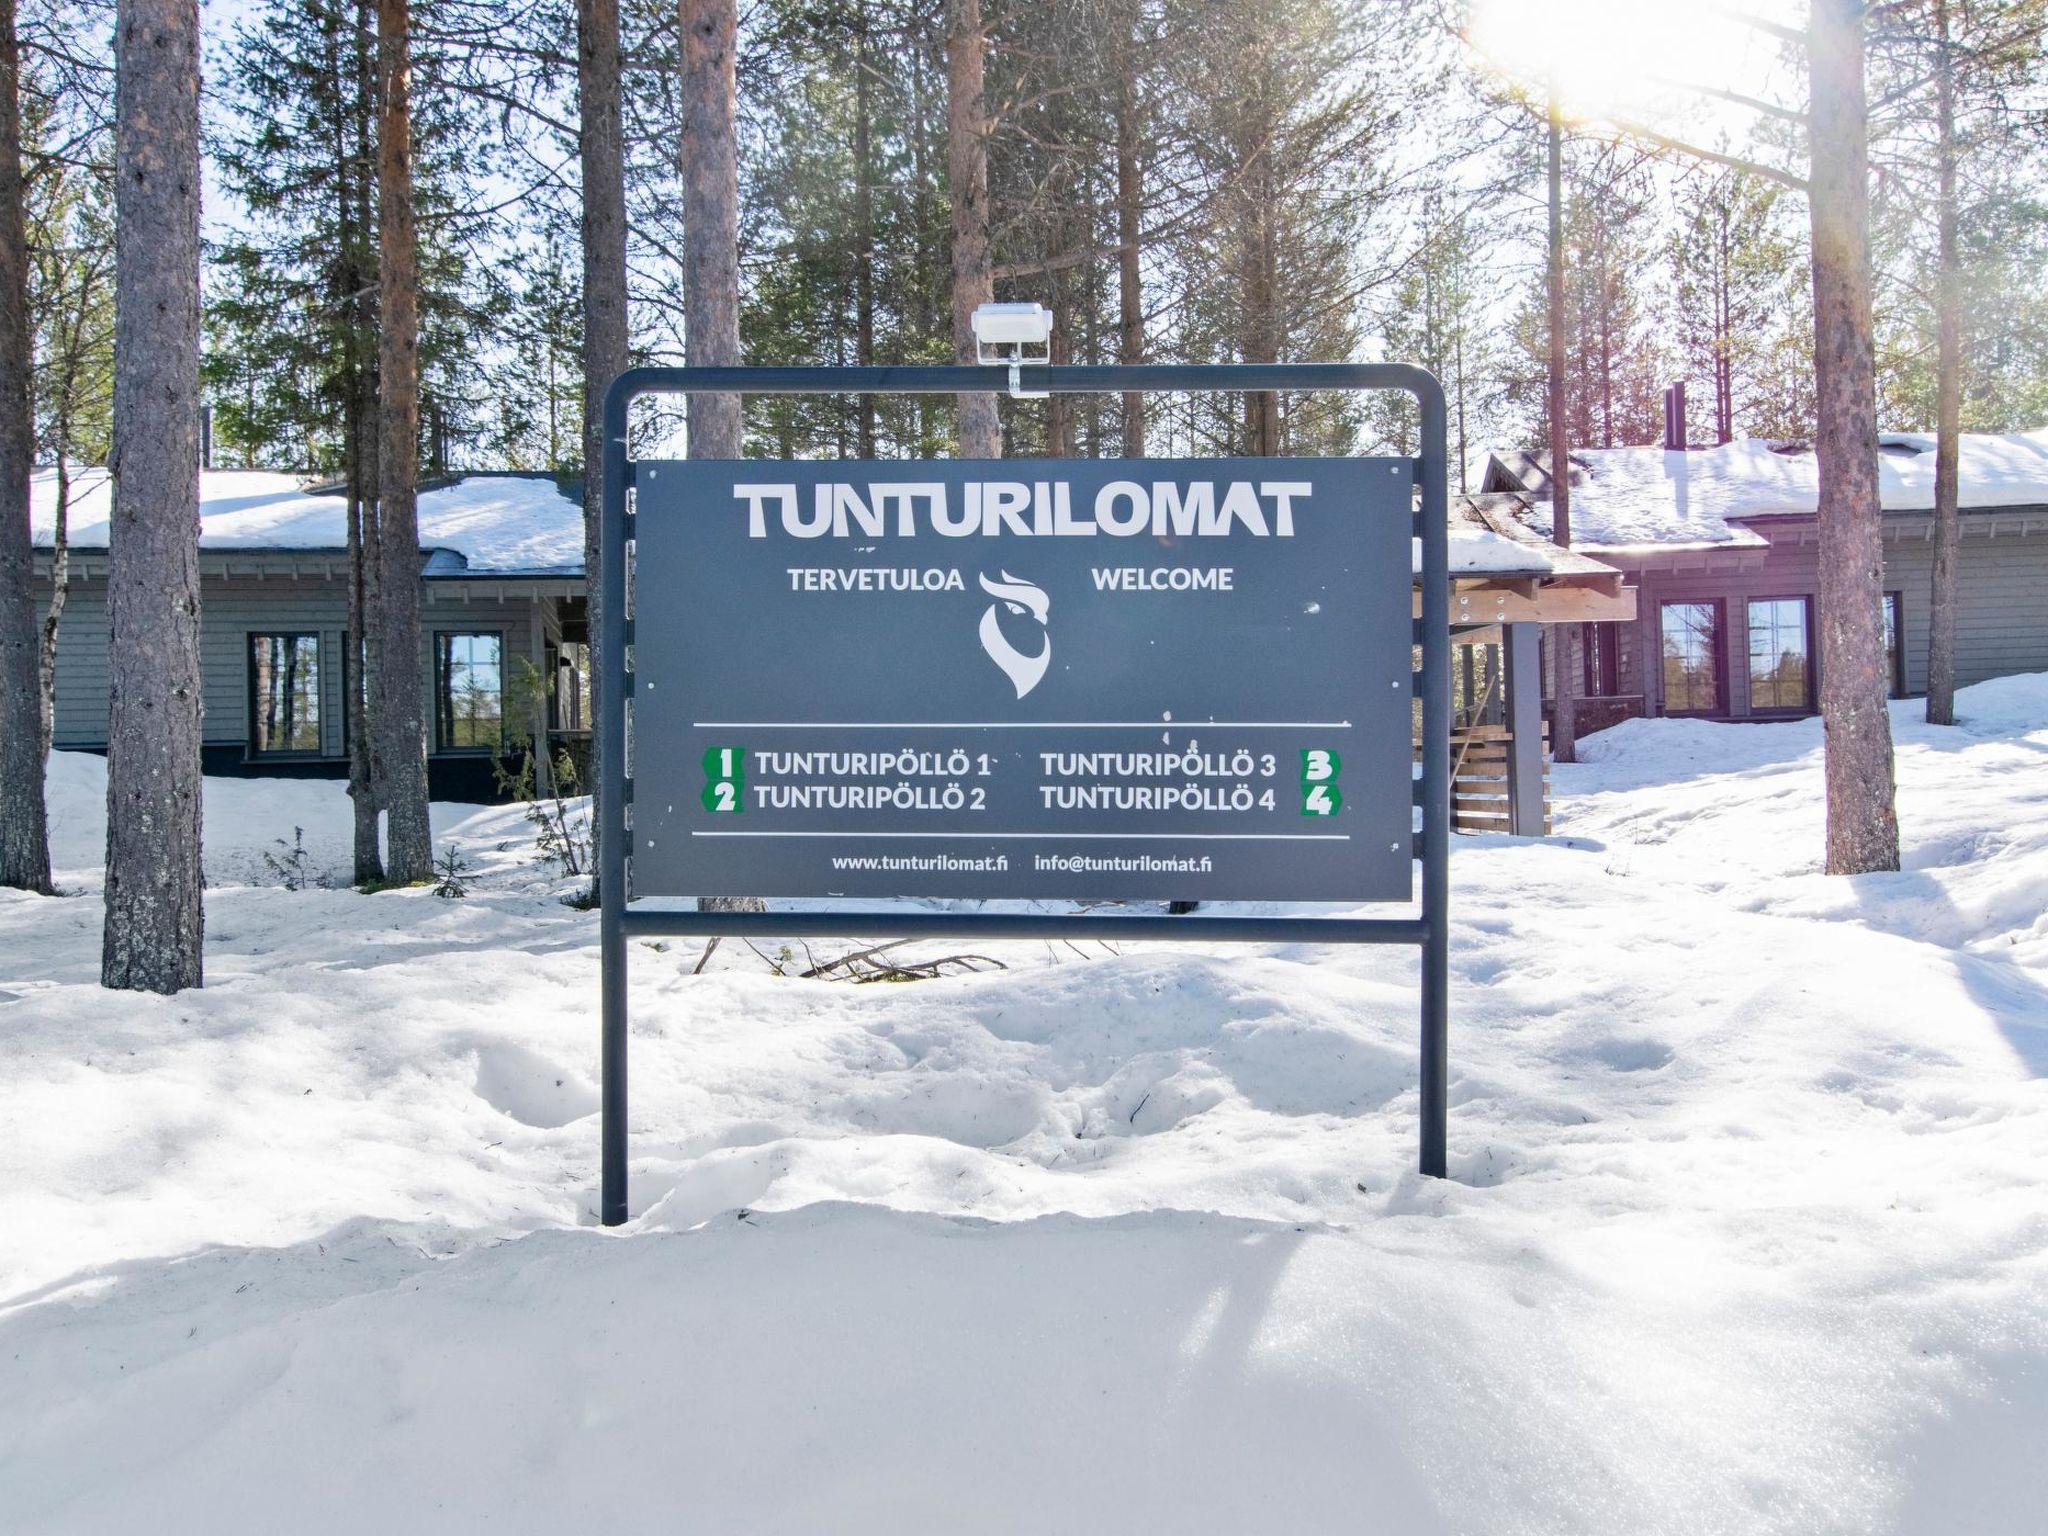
(1746,1232)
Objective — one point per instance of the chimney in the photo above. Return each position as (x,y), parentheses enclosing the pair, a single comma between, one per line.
(1674,418)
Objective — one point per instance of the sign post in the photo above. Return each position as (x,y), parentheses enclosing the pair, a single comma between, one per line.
(1058,679)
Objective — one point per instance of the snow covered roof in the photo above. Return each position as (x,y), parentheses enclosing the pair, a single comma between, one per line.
(1489,537)
(497,525)
(519,525)
(1643,498)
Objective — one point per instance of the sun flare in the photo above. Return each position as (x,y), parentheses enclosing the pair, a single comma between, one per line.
(1622,56)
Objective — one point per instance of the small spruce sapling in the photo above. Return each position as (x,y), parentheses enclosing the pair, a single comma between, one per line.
(561,834)
(451,872)
(293,866)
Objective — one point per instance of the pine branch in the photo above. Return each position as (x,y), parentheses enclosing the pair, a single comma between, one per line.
(1629,129)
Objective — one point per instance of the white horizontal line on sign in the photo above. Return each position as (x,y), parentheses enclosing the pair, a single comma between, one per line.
(1020,725)
(1172,837)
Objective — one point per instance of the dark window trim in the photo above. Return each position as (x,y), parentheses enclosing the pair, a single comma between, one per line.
(1895,602)
(1599,660)
(440,749)
(250,751)
(1720,607)
(1812,702)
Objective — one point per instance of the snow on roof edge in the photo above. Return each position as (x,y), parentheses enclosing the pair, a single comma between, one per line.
(1632,500)
(494,524)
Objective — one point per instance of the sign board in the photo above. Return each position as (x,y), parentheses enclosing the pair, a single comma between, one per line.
(1074,680)
(1082,679)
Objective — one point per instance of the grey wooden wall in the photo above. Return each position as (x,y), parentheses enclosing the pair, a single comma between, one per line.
(254,600)
(2001,619)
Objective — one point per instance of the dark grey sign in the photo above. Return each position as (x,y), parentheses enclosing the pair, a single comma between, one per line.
(1026,678)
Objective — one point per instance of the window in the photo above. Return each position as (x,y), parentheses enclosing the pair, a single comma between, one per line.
(1781,654)
(284,695)
(1692,657)
(1894,646)
(469,692)
(1600,653)
(569,699)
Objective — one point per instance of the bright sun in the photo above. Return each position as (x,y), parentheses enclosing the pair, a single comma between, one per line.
(1624,56)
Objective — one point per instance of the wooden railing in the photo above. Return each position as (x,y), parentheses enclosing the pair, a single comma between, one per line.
(1479,778)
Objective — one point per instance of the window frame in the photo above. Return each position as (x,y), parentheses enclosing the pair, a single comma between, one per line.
(436,682)
(1599,660)
(1895,619)
(1811,703)
(1720,607)
(251,751)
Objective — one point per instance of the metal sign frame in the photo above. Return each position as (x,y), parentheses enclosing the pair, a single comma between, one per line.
(1427,930)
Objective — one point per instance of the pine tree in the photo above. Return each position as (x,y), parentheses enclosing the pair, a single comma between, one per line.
(1287,116)
(292,359)
(967,183)
(536,377)
(1738,280)
(709,163)
(71,306)
(1962,233)
(293,319)
(1862,817)
(1863,828)
(843,221)
(1434,315)
(606,337)
(1616,361)
(66,106)
(1556,346)
(1619,365)
(24,825)
(400,717)
(154,920)
(710,168)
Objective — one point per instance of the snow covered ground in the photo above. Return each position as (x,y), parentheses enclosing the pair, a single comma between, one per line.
(1749,1228)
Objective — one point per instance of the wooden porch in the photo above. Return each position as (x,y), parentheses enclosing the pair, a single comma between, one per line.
(1500,738)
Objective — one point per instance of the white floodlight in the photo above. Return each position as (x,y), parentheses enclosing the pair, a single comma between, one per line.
(1015,326)
(1011,335)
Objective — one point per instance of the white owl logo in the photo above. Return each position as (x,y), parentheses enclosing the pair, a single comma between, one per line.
(1020,597)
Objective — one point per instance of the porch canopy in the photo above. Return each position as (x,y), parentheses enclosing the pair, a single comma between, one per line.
(1507,582)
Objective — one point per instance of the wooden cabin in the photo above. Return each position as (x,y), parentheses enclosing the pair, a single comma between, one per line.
(501,583)
(1720,546)
(502,590)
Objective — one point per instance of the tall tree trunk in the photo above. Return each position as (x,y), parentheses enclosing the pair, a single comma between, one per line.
(1059,410)
(863,225)
(1863,829)
(920,310)
(606,337)
(1564,653)
(1948,392)
(1130,192)
(1724,337)
(71,361)
(363,654)
(980,436)
(711,264)
(401,717)
(711,253)
(1065,240)
(1464,442)
(1606,349)
(1259,286)
(24,825)
(155,925)
(60,594)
